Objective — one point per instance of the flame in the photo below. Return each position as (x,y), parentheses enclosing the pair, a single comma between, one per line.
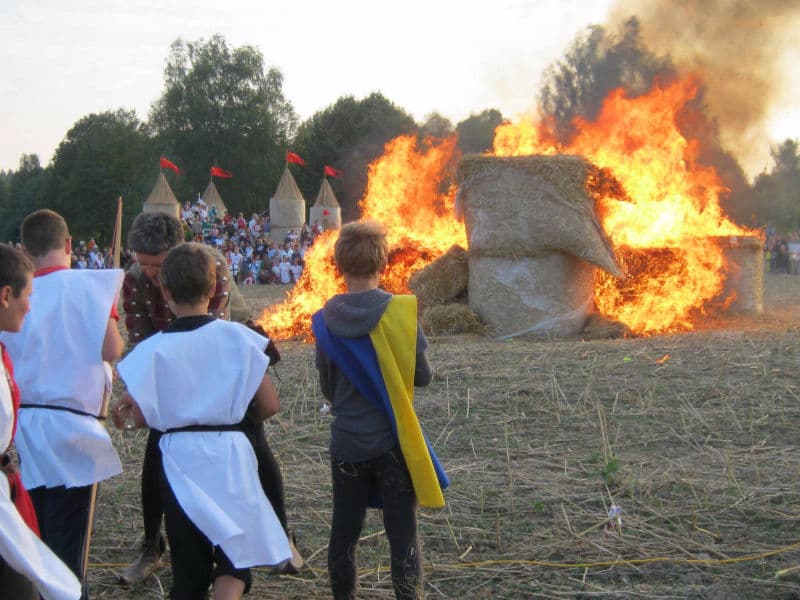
(661,232)
(404,192)
(663,229)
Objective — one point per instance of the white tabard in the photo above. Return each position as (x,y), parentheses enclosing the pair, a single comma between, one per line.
(58,362)
(19,546)
(207,376)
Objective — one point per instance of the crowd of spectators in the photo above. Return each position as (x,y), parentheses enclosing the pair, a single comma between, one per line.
(782,251)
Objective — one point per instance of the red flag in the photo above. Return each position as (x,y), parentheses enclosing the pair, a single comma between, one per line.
(332,172)
(168,164)
(295,158)
(217,172)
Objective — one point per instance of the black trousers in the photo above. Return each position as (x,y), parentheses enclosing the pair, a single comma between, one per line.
(269,474)
(196,562)
(352,483)
(63,515)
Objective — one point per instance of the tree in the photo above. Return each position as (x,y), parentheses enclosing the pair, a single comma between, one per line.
(25,194)
(103,156)
(778,193)
(436,125)
(220,107)
(348,135)
(476,132)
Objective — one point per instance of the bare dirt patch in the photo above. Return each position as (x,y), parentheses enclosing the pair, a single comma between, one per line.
(693,436)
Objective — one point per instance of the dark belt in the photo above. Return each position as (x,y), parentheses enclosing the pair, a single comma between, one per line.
(231,427)
(74,411)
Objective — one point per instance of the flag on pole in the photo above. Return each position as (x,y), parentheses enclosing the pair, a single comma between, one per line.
(168,164)
(332,172)
(217,172)
(116,240)
(295,159)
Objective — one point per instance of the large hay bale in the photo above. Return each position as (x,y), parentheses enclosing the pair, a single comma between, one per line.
(546,295)
(450,319)
(744,273)
(444,280)
(601,327)
(532,205)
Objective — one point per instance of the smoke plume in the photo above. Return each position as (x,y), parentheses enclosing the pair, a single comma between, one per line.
(737,48)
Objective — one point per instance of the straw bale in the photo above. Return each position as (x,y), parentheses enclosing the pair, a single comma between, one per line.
(533,205)
(450,319)
(540,296)
(744,273)
(162,199)
(444,280)
(287,208)
(600,327)
(329,217)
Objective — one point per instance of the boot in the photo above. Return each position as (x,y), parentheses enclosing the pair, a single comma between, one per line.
(148,561)
(292,565)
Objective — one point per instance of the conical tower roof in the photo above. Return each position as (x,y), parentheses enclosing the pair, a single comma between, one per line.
(212,198)
(325,196)
(162,198)
(287,188)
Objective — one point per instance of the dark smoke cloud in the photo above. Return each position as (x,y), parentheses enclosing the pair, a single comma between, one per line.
(736,47)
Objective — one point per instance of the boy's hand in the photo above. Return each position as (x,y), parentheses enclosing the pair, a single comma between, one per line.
(271,349)
(123,407)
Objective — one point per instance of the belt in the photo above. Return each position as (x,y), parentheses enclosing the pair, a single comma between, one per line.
(74,411)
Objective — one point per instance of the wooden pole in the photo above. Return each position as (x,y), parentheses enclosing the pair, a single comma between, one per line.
(116,243)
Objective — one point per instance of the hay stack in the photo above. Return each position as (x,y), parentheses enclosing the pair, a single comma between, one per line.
(287,208)
(744,273)
(444,280)
(450,319)
(534,239)
(162,199)
(212,198)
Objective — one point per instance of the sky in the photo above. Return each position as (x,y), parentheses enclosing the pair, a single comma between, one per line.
(61,60)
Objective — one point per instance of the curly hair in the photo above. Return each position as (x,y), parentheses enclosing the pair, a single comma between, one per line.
(154,232)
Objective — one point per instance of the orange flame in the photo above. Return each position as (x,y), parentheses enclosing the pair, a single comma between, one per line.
(404,193)
(662,232)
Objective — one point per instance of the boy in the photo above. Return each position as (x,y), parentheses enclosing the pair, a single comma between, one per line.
(61,355)
(26,564)
(151,236)
(218,519)
(370,354)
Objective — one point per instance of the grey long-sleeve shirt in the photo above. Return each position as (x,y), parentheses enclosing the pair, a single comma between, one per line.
(360,431)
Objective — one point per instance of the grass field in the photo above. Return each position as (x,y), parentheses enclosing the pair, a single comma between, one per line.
(693,436)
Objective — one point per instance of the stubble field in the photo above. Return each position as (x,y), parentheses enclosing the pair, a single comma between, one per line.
(693,436)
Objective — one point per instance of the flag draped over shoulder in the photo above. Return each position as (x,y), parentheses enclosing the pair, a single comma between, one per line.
(165,163)
(381,366)
(295,159)
(217,172)
(332,172)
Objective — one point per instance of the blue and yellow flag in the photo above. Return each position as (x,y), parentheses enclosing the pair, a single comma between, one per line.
(381,365)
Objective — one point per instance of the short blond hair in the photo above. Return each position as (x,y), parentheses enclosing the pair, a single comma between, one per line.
(362,249)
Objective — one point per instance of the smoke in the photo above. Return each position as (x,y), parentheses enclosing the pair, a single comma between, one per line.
(738,48)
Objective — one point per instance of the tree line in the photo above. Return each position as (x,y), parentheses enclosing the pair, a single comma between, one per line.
(222,106)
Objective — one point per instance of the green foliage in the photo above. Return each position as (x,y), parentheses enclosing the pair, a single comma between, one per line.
(348,135)
(436,125)
(476,132)
(605,469)
(221,107)
(102,157)
(778,193)
(26,189)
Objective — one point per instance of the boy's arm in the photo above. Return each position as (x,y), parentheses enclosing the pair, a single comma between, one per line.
(267,401)
(127,403)
(325,379)
(112,342)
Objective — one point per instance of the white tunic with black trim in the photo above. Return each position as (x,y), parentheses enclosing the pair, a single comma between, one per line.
(58,362)
(208,376)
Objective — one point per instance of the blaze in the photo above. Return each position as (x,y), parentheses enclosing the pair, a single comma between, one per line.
(407,192)
(662,232)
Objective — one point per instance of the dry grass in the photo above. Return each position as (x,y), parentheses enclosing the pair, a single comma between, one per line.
(694,436)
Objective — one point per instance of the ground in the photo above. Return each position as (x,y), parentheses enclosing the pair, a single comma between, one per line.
(692,436)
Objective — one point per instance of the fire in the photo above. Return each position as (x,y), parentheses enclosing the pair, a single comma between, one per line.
(662,230)
(404,192)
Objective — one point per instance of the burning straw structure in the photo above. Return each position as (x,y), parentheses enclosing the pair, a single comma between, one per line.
(534,242)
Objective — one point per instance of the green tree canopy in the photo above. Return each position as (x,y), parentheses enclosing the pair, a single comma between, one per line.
(221,107)
(778,192)
(102,157)
(476,132)
(26,193)
(348,135)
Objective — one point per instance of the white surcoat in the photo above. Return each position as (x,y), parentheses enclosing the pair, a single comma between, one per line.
(19,546)
(207,376)
(58,362)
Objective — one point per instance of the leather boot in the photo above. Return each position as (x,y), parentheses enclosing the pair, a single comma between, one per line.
(148,561)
